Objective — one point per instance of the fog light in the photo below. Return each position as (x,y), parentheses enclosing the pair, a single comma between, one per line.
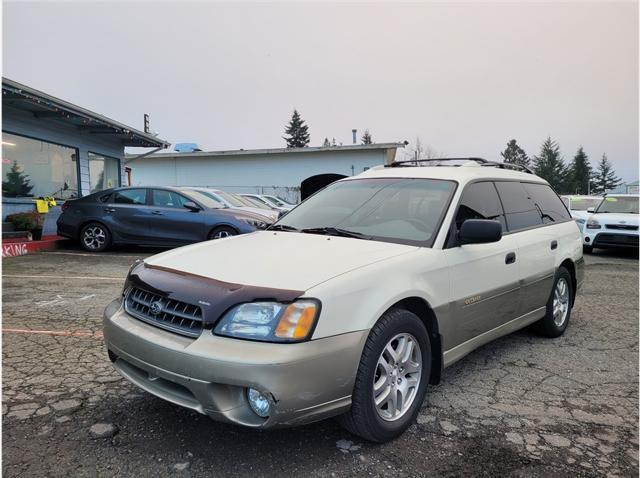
(587,239)
(258,402)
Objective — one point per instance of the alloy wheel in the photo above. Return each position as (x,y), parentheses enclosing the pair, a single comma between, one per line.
(94,237)
(561,302)
(397,377)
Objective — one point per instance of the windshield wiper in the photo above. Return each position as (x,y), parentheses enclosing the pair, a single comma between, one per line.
(282,227)
(335,231)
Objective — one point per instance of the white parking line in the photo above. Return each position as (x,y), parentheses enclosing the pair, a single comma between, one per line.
(40,276)
(80,254)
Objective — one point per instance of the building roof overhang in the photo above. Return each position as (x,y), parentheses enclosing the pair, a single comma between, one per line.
(42,105)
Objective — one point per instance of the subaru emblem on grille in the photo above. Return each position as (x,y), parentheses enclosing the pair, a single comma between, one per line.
(155,308)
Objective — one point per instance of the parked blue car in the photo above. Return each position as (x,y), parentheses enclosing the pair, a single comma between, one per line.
(150,216)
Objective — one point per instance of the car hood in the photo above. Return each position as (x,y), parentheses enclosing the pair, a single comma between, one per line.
(580,214)
(273,215)
(240,213)
(616,218)
(279,260)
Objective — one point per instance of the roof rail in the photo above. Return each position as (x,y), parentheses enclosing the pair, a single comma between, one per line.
(480,161)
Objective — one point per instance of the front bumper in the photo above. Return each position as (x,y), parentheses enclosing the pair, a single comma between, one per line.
(609,238)
(306,382)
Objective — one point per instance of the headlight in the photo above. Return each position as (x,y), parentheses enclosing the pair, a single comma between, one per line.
(593,224)
(270,321)
(258,224)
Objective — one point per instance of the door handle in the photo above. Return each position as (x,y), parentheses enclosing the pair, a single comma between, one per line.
(554,245)
(510,258)
(110,209)
(157,213)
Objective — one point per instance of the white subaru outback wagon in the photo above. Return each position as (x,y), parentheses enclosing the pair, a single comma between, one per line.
(353,302)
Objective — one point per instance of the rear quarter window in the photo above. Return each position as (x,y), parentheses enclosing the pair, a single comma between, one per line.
(552,207)
(520,211)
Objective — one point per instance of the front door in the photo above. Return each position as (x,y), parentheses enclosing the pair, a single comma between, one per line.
(171,223)
(485,290)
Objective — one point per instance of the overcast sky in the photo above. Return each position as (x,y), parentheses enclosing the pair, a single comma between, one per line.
(466,78)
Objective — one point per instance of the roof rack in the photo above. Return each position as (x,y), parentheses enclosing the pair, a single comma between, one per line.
(480,161)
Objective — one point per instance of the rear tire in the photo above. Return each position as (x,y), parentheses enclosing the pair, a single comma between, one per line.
(396,379)
(559,306)
(95,237)
(221,232)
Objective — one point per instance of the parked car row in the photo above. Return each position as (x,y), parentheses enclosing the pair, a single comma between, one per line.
(159,216)
(606,222)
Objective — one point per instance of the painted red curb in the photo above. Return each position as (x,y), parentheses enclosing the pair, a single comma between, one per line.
(13,247)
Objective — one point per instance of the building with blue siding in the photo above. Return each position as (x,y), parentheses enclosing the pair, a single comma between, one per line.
(53,148)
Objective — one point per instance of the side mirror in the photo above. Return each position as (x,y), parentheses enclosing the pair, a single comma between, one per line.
(191,206)
(479,231)
(591,209)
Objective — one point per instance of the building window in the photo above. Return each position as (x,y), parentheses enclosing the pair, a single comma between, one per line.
(104,172)
(34,168)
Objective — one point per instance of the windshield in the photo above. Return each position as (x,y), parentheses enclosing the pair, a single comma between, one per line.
(582,204)
(202,198)
(249,201)
(230,198)
(276,201)
(620,204)
(402,210)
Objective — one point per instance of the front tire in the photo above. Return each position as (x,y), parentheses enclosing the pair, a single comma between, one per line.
(559,305)
(221,232)
(95,237)
(392,378)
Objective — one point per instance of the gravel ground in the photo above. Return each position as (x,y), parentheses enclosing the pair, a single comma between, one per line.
(521,406)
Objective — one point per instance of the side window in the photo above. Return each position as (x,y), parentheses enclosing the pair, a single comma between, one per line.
(480,201)
(164,198)
(552,207)
(130,196)
(520,211)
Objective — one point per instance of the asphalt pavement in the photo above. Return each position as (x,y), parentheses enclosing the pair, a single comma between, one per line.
(521,406)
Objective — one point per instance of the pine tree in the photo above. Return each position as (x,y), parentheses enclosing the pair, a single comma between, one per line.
(549,165)
(605,177)
(366,137)
(298,132)
(17,183)
(514,154)
(580,173)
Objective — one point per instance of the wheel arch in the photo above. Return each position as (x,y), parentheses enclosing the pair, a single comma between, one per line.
(571,267)
(219,225)
(421,308)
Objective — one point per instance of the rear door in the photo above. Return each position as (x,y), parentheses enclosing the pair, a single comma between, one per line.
(171,223)
(484,277)
(536,243)
(127,215)
(547,241)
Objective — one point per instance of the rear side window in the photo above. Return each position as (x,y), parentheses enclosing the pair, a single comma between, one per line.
(553,210)
(480,201)
(130,196)
(164,198)
(520,210)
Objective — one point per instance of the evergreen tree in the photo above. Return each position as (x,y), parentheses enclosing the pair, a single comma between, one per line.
(298,132)
(549,165)
(514,154)
(366,137)
(580,173)
(17,183)
(326,143)
(605,177)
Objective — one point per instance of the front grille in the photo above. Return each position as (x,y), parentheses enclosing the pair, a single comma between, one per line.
(622,227)
(174,315)
(616,239)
